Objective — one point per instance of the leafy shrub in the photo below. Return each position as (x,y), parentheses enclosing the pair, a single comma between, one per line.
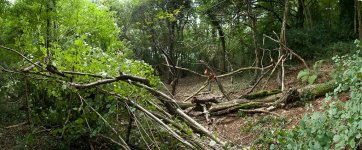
(310,76)
(319,42)
(338,48)
(340,125)
(87,42)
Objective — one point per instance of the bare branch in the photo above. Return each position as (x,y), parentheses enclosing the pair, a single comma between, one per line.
(276,65)
(216,79)
(124,144)
(26,58)
(106,81)
(27,69)
(173,133)
(259,110)
(85,74)
(289,50)
(242,69)
(189,70)
(205,84)
(181,113)
(257,82)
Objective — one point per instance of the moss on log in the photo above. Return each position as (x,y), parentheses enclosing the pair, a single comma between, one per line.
(318,90)
(261,94)
(184,105)
(306,93)
(250,105)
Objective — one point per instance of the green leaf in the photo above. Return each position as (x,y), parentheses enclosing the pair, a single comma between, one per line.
(272,147)
(312,79)
(303,73)
(79,121)
(108,105)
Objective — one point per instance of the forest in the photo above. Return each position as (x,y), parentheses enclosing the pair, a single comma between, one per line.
(180,74)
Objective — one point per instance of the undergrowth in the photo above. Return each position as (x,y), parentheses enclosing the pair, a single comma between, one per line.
(339,124)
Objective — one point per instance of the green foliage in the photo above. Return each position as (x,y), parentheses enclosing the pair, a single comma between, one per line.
(319,42)
(340,125)
(105,37)
(264,127)
(263,123)
(83,37)
(310,76)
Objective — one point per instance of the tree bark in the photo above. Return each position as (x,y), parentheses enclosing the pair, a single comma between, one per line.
(357,3)
(300,14)
(253,25)
(282,41)
(268,99)
(216,23)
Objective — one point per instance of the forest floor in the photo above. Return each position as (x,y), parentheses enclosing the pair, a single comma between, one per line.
(247,129)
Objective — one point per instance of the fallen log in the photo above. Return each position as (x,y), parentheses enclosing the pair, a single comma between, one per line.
(260,94)
(204,100)
(274,99)
(318,90)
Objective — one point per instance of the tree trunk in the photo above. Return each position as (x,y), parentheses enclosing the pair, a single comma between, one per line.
(253,23)
(300,14)
(357,3)
(48,36)
(281,48)
(346,14)
(217,25)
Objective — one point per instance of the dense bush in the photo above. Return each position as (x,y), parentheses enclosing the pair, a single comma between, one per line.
(339,126)
(318,42)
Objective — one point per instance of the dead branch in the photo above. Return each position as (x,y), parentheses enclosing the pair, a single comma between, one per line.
(276,65)
(188,70)
(205,112)
(173,72)
(222,75)
(216,79)
(204,100)
(289,50)
(242,69)
(173,133)
(112,140)
(26,58)
(154,117)
(260,94)
(259,110)
(182,114)
(106,81)
(27,69)
(182,129)
(283,74)
(85,74)
(197,92)
(16,125)
(168,64)
(271,100)
(123,142)
(257,82)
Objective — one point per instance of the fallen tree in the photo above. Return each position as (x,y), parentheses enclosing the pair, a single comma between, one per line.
(264,100)
(166,116)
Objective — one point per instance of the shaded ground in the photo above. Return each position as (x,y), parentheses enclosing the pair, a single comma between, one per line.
(241,128)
